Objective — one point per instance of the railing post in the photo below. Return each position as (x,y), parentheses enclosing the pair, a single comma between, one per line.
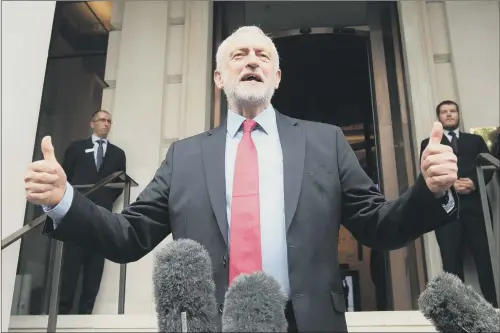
(493,244)
(57,255)
(497,239)
(55,287)
(123,267)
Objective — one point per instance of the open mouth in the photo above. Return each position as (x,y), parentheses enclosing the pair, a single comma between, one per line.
(251,77)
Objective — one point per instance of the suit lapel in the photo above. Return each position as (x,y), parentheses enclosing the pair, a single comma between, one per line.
(293,145)
(90,155)
(445,141)
(213,152)
(462,144)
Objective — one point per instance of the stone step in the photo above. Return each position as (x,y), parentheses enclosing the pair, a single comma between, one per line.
(384,321)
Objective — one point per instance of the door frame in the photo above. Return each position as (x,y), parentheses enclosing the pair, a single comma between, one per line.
(406,267)
(384,138)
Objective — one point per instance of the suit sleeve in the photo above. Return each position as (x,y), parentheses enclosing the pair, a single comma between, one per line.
(69,161)
(124,237)
(376,222)
(423,145)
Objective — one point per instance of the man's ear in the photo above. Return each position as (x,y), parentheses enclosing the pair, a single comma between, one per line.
(218,80)
(278,78)
(92,124)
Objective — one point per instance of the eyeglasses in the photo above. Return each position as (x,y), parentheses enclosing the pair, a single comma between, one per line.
(103,120)
(448,111)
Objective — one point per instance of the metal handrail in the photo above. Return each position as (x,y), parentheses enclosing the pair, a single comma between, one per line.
(489,162)
(30,226)
(487,159)
(58,251)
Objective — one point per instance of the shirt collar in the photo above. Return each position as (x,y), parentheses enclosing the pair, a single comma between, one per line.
(447,132)
(266,121)
(95,138)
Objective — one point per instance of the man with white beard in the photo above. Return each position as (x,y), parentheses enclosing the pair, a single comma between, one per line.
(261,192)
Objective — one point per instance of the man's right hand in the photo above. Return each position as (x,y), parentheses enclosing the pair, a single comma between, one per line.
(45,181)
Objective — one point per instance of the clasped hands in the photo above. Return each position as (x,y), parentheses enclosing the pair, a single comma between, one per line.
(464,186)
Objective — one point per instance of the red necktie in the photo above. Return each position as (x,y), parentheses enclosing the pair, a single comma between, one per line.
(244,248)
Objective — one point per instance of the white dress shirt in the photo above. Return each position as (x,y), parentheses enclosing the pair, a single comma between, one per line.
(96,146)
(447,133)
(271,189)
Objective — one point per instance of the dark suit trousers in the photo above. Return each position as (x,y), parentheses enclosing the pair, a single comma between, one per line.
(74,259)
(290,318)
(379,278)
(469,231)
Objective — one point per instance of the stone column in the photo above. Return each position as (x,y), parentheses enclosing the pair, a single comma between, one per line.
(474,41)
(423,92)
(159,72)
(450,52)
(26,31)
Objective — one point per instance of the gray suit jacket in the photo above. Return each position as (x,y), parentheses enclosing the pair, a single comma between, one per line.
(324,188)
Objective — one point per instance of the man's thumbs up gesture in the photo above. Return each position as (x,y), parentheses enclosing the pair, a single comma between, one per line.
(45,181)
(439,163)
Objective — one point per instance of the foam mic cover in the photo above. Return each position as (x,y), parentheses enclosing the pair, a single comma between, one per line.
(183,287)
(254,303)
(452,306)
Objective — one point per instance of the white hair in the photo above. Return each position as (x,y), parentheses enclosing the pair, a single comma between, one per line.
(222,52)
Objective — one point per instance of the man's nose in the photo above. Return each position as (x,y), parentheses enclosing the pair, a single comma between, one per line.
(252,65)
(252,61)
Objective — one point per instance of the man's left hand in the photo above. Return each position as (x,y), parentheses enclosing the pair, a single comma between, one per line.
(466,184)
(439,163)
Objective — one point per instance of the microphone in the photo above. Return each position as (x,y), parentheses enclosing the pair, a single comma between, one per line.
(254,303)
(184,290)
(452,306)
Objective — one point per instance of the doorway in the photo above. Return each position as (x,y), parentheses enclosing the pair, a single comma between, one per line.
(351,77)
(327,78)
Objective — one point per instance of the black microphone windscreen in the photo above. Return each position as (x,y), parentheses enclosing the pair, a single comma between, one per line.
(182,278)
(254,303)
(452,306)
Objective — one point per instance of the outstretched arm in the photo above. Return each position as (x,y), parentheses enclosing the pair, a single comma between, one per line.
(381,224)
(124,237)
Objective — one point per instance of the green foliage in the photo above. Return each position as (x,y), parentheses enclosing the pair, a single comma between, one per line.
(487,133)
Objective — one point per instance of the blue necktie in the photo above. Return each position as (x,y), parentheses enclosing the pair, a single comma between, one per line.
(100,154)
(454,142)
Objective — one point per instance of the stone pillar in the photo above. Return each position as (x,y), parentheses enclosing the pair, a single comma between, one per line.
(159,72)
(423,92)
(451,51)
(474,41)
(26,31)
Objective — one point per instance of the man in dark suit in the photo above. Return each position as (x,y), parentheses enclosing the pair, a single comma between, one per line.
(495,147)
(470,230)
(87,162)
(260,192)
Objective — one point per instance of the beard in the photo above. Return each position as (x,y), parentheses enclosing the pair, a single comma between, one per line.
(451,127)
(242,95)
